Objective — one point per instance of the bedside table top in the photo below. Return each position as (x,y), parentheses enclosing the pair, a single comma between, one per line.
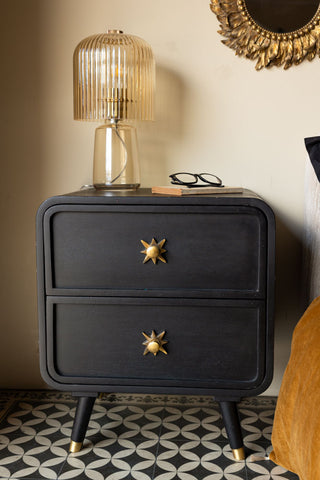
(146,192)
(143,196)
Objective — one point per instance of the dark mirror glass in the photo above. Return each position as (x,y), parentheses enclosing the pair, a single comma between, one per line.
(282,16)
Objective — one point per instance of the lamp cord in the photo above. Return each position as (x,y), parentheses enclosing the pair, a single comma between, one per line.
(125,152)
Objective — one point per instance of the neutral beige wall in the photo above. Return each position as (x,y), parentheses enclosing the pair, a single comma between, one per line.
(214,113)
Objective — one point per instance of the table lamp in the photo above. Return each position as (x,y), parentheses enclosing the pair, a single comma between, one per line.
(114,78)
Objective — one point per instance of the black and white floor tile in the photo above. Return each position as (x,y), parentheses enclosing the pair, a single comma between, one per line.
(132,437)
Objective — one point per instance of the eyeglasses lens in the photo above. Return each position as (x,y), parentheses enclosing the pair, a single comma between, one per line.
(209,178)
(186,178)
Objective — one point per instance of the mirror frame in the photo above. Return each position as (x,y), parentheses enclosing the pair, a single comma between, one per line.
(250,40)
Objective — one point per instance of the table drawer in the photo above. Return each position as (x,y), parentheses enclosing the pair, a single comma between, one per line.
(210,343)
(93,248)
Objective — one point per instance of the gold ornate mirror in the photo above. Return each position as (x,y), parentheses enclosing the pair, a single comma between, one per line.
(272,32)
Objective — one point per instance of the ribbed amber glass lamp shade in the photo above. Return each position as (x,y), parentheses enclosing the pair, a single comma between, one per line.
(114,79)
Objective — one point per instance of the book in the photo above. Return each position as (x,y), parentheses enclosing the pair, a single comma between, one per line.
(180,190)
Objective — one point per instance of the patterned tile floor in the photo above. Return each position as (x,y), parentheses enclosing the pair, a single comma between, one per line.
(141,437)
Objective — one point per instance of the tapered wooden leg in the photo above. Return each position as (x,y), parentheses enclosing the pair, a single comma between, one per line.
(80,424)
(232,423)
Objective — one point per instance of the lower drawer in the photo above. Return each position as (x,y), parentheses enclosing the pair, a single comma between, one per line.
(211,344)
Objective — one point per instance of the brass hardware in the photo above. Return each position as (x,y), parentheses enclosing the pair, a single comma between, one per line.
(75,447)
(154,344)
(153,251)
(238,454)
(250,40)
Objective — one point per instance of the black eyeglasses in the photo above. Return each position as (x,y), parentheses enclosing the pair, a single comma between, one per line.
(191,179)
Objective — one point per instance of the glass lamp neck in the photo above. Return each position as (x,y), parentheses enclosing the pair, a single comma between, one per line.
(115,31)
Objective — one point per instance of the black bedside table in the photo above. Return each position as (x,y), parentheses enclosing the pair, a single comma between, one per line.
(188,313)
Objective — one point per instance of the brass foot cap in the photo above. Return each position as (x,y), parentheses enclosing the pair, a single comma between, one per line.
(75,447)
(238,454)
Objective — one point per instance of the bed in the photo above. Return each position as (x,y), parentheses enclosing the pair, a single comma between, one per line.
(296,430)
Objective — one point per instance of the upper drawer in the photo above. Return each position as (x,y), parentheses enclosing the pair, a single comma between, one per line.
(210,250)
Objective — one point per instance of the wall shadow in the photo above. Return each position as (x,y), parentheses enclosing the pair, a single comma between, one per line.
(289,293)
(21,166)
(157,138)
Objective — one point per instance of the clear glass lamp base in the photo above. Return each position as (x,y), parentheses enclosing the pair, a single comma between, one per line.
(115,163)
(111,186)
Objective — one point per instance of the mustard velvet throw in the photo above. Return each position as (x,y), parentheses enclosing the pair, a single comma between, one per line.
(296,429)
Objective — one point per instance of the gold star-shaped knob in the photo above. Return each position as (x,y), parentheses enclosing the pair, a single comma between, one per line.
(154,344)
(153,251)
